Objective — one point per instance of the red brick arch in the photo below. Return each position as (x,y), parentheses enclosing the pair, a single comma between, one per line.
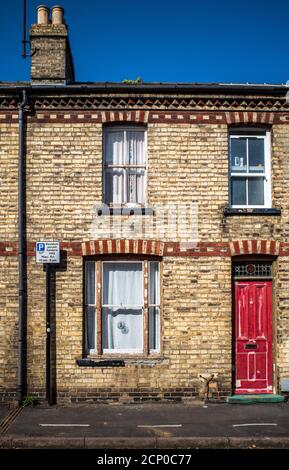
(136,117)
(255,247)
(249,117)
(123,246)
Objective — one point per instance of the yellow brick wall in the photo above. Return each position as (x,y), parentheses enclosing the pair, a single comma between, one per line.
(64,179)
(281,315)
(8,323)
(187,162)
(196,339)
(8,181)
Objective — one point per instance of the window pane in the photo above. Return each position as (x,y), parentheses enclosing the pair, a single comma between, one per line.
(90,329)
(122,284)
(136,186)
(114,147)
(238,154)
(238,191)
(124,147)
(122,330)
(115,187)
(135,147)
(154,328)
(90,282)
(256,155)
(154,287)
(140,187)
(256,191)
(154,312)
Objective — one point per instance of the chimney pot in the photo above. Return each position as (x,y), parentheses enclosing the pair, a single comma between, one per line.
(57,15)
(42,14)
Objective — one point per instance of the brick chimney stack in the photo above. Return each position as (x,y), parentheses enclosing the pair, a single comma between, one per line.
(51,59)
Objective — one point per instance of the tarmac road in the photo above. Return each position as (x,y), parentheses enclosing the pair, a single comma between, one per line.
(151,425)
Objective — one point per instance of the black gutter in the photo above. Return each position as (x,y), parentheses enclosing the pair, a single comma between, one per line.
(186,88)
(22,379)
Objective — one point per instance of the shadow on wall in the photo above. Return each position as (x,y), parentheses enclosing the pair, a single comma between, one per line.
(51,293)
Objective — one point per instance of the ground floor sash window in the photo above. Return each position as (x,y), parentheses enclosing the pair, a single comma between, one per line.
(122,306)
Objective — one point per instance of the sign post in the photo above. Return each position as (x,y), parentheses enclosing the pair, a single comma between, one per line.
(48,253)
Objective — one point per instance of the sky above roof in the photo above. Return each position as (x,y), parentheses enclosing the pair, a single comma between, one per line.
(161,40)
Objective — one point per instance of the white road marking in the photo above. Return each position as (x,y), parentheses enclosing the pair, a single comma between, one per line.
(64,425)
(159,425)
(254,424)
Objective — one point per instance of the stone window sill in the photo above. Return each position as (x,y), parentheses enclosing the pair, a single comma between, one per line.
(113,362)
(109,211)
(229,211)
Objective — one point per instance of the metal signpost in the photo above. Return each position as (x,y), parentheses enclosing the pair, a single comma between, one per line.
(48,253)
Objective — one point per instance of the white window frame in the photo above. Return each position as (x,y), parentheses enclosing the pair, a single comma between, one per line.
(256,133)
(105,166)
(158,305)
(137,307)
(92,305)
(98,285)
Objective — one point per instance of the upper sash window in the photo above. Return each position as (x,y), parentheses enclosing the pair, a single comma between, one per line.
(125,165)
(249,165)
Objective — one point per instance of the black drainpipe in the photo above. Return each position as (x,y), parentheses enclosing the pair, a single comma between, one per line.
(22,380)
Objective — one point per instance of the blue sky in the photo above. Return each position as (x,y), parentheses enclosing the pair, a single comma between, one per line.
(162,40)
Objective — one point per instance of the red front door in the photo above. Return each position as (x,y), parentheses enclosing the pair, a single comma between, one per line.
(253,333)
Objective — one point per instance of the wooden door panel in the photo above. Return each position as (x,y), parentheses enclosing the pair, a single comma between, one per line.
(260,300)
(251,366)
(242,305)
(261,360)
(241,367)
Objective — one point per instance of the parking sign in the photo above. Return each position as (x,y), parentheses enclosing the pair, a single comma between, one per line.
(47,252)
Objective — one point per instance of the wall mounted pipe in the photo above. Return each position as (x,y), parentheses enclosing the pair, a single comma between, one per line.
(22,379)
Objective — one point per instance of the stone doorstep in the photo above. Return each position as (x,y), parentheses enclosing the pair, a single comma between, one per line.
(254,398)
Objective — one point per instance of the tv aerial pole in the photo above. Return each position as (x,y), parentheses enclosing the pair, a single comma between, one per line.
(24,41)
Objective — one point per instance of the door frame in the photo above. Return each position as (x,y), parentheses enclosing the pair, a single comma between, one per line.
(252,259)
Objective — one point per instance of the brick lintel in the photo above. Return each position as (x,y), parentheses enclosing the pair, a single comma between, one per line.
(159,248)
(150,116)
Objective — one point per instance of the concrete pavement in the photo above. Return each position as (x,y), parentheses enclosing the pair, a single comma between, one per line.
(150,425)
